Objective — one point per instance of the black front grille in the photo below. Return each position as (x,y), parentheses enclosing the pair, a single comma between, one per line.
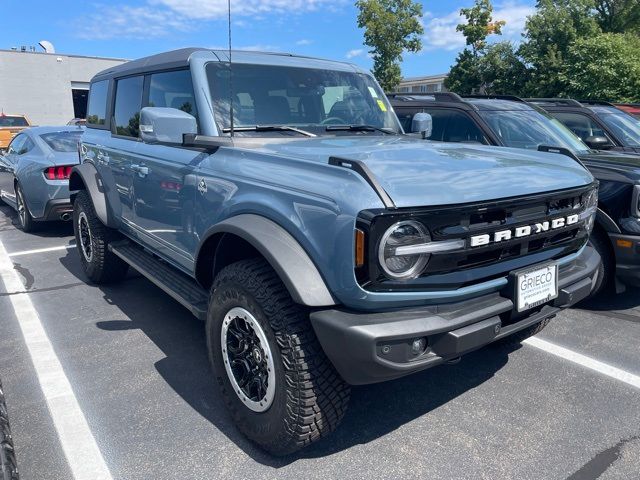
(472,264)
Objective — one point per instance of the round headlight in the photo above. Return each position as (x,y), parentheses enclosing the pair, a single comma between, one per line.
(403,234)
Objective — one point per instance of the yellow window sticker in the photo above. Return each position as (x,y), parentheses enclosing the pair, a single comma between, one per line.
(382,105)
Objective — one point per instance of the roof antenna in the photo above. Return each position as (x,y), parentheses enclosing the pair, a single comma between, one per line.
(230,74)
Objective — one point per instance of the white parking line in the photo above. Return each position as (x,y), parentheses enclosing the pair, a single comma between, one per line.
(585,361)
(41,250)
(79,446)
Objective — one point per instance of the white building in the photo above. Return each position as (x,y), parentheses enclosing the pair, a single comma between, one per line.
(49,88)
(427,84)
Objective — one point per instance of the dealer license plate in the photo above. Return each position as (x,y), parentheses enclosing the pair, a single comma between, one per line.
(537,286)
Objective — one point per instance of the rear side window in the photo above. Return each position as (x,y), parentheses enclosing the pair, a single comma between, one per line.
(97,107)
(128,104)
(13,121)
(62,141)
(173,90)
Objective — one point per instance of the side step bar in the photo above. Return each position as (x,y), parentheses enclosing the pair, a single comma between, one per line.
(179,286)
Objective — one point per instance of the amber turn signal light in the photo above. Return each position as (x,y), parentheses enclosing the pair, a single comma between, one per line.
(359,248)
(624,243)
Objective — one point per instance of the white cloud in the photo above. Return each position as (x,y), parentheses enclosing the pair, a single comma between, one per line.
(157,18)
(130,22)
(304,41)
(211,9)
(356,52)
(441,34)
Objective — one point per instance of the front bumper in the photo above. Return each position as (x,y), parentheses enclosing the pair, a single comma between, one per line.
(375,347)
(627,252)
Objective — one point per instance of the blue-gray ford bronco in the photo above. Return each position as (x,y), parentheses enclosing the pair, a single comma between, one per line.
(278,199)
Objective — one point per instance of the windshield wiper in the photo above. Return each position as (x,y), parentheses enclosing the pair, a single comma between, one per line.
(360,128)
(269,128)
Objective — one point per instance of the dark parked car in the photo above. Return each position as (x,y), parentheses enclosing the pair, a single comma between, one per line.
(510,122)
(601,125)
(8,468)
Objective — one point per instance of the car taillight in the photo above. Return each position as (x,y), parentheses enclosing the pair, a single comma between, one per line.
(58,173)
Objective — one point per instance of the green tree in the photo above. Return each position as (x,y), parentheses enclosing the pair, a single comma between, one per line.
(479,25)
(502,71)
(618,16)
(606,66)
(466,76)
(391,27)
(549,33)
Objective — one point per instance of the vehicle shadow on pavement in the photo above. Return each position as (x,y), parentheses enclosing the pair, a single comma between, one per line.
(629,299)
(10,221)
(374,411)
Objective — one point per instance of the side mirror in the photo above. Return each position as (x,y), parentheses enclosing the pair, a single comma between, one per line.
(165,125)
(598,142)
(422,123)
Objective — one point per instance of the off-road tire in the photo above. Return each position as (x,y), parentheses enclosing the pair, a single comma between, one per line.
(25,220)
(310,398)
(8,467)
(606,270)
(103,266)
(514,340)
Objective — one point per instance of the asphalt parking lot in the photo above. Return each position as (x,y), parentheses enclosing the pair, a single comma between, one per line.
(565,406)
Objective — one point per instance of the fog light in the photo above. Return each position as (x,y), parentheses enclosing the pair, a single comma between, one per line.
(418,346)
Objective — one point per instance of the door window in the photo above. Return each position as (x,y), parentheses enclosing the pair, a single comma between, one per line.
(127,107)
(583,126)
(173,90)
(454,126)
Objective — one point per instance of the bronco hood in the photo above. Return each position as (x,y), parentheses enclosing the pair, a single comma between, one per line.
(417,172)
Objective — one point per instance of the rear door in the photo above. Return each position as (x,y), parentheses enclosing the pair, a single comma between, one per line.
(120,155)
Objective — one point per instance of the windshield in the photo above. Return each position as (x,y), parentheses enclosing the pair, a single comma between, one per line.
(625,127)
(530,129)
(62,141)
(305,98)
(13,121)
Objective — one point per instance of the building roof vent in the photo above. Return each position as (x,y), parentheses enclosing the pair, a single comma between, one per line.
(47,46)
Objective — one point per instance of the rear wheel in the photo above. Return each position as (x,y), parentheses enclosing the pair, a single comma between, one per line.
(27,224)
(92,240)
(280,388)
(8,468)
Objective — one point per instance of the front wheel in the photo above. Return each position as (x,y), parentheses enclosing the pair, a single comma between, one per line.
(280,388)
(606,270)
(514,340)
(92,241)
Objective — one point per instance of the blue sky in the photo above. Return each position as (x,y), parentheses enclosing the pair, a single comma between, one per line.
(323,28)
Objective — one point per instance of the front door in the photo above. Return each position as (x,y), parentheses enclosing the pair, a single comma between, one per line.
(163,177)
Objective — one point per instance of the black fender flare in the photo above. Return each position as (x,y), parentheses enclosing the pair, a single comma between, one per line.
(291,262)
(606,222)
(86,177)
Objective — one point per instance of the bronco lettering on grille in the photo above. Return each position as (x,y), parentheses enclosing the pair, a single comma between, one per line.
(523,231)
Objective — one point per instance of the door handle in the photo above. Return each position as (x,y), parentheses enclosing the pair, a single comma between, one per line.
(141,170)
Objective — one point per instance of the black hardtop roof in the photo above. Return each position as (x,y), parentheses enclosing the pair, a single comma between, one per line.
(173,59)
(475,102)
